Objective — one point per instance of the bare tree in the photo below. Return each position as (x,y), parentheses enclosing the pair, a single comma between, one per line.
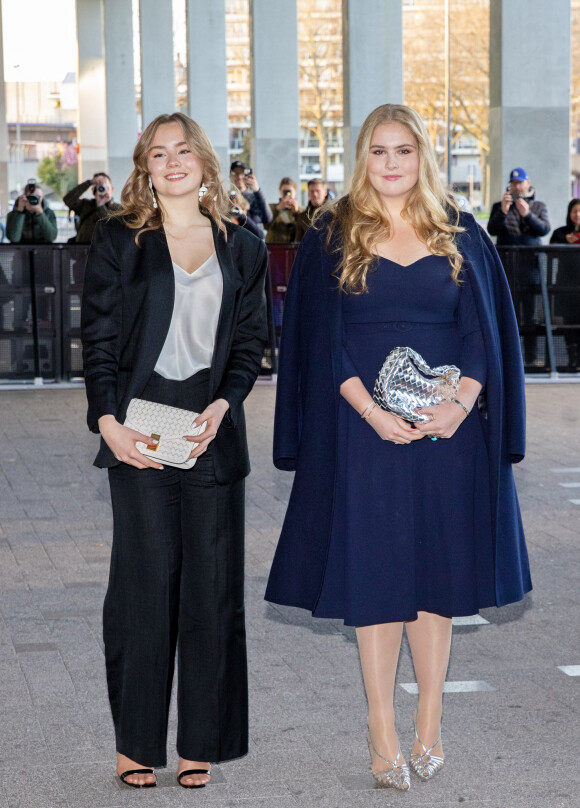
(424,44)
(320,66)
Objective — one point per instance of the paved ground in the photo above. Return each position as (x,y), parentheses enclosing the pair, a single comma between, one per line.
(511,733)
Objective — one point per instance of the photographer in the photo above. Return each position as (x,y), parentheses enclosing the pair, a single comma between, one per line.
(282,228)
(247,184)
(239,214)
(90,211)
(521,220)
(31,221)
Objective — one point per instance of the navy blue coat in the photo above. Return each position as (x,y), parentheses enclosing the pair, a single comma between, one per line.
(306,431)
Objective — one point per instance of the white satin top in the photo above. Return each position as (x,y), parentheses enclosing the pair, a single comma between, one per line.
(190,340)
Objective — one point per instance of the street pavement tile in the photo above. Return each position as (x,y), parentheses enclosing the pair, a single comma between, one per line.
(307,705)
(15,692)
(34,787)
(47,678)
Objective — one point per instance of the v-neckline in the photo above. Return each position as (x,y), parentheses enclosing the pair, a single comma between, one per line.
(195,271)
(406,266)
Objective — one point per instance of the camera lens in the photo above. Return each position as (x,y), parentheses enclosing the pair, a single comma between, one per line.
(33,199)
(101,189)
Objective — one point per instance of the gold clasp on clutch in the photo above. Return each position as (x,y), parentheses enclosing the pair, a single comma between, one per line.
(152,447)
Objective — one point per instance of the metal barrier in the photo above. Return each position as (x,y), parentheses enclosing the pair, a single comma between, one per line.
(545,286)
(40,313)
(41,287)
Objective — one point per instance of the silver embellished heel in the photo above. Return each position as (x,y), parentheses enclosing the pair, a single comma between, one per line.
(424,764)
(397,776)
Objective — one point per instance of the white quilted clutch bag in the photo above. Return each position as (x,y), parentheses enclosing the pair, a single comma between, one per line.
(168,425)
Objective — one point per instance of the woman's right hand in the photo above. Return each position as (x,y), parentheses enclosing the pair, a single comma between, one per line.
(122,442)
(391,427)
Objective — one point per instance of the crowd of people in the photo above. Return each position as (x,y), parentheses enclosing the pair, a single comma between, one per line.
(518,219)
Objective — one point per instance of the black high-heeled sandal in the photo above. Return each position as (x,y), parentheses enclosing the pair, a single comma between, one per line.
(138,771)
(188,772)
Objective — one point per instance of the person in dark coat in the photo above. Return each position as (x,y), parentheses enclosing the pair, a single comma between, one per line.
(389,525)
(520,219)
(567,303)
(239,212)
(91,211)
(246,183)
(173,312)
(317,196)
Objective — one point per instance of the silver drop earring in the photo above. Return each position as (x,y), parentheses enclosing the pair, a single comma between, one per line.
(202,190)
(152,191)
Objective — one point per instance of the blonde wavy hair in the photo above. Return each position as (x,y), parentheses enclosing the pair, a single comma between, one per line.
(136,196)
(359,220)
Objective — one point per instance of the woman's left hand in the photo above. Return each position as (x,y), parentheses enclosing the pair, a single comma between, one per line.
(444,419)
(213,416)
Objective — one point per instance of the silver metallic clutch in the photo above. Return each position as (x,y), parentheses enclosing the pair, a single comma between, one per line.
(406,381)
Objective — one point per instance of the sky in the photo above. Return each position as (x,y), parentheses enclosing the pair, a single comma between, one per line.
(40,36)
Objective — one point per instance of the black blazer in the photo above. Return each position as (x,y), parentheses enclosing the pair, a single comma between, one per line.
(126,312)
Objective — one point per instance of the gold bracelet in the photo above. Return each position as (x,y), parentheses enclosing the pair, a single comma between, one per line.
(366,417)
(463,407)
(371,404)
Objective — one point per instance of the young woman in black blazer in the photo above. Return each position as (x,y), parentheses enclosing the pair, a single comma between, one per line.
(174,312)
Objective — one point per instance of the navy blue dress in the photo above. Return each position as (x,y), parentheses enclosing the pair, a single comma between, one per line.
(412,523)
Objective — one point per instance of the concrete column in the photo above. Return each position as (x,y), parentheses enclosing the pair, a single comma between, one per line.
(529,116)
(372,59)
(92,129)
(4,155)
(275,115)
(157,68)
(122,128)
(206,57)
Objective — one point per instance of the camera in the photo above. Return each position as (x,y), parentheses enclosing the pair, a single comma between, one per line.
(514,195)
(33,199)
(234,210)
(248,171)
(287,193)
(100,189)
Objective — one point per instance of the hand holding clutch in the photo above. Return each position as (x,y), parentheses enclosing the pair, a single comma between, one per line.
(443,420)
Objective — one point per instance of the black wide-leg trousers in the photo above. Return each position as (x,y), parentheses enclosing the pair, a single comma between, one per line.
(177,582)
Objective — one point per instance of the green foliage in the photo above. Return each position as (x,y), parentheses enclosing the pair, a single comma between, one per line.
(56,176)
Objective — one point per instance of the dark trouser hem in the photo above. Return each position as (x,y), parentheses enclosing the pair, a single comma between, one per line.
(144,756)
(231,753)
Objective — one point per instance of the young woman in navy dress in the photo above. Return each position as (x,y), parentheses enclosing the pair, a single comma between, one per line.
(389,524)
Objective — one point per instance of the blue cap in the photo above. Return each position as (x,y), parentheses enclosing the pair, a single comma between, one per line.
(518,175)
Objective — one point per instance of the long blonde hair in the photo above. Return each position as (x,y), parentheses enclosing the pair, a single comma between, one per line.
(136,196)
(359,220)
